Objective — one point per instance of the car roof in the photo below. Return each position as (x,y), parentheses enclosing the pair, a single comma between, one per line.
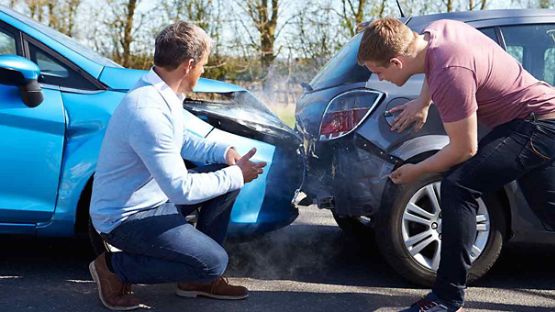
(417,23)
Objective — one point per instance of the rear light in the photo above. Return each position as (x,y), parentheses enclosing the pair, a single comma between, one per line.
(346,112)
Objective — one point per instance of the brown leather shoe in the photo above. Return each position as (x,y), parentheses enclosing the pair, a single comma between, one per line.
(127,289)
(112,292)
(218,289)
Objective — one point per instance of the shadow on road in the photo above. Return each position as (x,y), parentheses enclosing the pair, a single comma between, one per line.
(304,267)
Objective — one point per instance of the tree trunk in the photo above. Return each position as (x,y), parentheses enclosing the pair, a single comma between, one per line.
(265,20)
(71,12)
(545,4)
(353,17)
(127,32)
(449,5)
(52,17)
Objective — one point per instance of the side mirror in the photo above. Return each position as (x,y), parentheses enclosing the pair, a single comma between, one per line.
(20,72)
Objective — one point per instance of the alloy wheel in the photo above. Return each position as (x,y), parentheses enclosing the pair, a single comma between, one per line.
(421,227)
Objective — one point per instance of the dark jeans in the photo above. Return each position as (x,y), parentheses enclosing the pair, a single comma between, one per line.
(159,246)
(521,150)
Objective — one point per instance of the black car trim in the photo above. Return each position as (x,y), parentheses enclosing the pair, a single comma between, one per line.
(367,145)
(28,39)
(500,38)
(16,35)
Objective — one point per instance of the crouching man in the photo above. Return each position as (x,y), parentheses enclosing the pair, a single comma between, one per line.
(142,190)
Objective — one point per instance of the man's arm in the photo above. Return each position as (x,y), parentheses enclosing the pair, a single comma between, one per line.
(151,137)
(456,99)
(463,144)
(196,148)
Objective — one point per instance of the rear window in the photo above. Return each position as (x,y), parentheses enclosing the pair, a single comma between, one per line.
(342,68)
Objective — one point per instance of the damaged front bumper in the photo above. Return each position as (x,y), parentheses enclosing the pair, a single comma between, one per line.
(278,145)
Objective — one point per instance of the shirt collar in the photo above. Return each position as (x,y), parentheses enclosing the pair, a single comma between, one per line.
(173,99)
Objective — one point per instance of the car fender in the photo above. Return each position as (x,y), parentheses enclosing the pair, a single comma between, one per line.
(87,118)
(420,145)
(78,168)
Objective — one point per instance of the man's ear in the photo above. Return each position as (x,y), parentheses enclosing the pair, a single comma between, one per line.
(187,66)
(397,62)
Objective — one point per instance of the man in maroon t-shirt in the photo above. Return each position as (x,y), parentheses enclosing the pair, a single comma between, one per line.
(470,79)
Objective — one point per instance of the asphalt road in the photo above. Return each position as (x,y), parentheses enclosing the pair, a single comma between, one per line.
(308,266)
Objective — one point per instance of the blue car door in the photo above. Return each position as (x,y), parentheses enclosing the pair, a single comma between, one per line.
(31,147)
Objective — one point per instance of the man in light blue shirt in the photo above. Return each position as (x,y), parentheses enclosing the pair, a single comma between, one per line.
(142,190)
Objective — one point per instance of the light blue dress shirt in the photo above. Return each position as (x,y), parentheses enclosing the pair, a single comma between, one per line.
(141,166)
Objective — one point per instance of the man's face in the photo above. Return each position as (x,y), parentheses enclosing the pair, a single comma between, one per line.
(195,71)
(395,71)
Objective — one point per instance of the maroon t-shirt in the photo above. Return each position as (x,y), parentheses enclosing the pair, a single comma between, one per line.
(468,72)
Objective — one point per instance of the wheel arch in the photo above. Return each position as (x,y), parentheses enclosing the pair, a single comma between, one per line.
(82,215)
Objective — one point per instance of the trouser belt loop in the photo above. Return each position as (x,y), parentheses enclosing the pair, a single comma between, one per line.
(532,117)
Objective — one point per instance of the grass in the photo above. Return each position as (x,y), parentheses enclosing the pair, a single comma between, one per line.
(286,113)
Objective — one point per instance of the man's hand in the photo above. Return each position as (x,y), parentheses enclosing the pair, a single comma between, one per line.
(231,157)
(250,169)
(415,111)
(407,173)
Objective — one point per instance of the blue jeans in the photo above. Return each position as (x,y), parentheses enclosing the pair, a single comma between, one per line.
(522,150)
(159,246)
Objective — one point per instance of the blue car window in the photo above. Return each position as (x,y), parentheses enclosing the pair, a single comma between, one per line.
(54,72)
(533,46)
(7,43)
(50,67)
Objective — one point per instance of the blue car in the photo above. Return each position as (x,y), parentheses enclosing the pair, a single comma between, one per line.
(56,98)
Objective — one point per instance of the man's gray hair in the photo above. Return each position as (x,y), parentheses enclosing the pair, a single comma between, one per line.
(178,42)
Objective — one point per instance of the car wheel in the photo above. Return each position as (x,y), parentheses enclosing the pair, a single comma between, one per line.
(409,233)
(98,244)
(356,227)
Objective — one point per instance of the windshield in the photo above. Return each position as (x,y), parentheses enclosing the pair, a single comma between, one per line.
(68,42)
(342,68)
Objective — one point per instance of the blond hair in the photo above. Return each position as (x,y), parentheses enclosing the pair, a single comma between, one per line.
(383,40)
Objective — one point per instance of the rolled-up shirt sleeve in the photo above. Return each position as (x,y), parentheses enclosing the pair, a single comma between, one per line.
(152,138)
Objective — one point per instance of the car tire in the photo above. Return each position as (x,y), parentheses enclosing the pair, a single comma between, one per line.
(395,232)
(354,227)
(97,243)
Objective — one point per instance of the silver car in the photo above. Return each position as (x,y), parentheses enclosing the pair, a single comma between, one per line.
(342,116)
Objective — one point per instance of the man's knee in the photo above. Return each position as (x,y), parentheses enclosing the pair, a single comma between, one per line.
(215,262)
(232,195)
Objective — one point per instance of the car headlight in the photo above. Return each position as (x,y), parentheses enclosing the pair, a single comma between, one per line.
(346,112)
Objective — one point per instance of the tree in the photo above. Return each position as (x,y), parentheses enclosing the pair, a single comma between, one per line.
(545,4)
(36,8)
(448,5)
(115,33)
(313,39)
(264,15)
(473,6)
(58,14)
